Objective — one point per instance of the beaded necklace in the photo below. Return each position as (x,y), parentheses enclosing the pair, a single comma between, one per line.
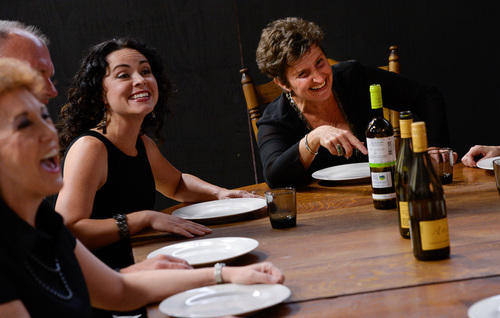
(304,119)
(56,270)
(306,122)
(297,110)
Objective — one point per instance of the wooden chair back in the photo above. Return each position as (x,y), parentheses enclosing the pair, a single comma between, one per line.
(259,95)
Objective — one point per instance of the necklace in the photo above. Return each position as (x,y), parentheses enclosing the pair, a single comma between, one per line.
(56,270)
(308,125)
(296,108)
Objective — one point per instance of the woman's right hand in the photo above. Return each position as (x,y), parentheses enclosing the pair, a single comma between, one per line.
(477,153)
(169,223)
(338,141)
(260,273)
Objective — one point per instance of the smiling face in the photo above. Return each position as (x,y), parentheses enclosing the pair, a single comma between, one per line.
(29,163)
(310,78)
(130,88)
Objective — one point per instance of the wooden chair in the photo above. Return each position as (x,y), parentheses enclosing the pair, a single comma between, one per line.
(257,96)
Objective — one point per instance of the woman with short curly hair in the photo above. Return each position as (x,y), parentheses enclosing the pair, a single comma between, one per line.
(320,119)
(286,41)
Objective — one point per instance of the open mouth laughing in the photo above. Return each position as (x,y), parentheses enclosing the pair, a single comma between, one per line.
(140,96)
(319,86)
(50,162)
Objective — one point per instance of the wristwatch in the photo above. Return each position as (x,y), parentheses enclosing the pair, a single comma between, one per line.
(218,272)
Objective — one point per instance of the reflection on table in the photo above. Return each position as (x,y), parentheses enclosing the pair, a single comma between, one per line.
(346,259)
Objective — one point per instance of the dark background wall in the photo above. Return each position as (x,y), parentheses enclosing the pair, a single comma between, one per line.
(451,44)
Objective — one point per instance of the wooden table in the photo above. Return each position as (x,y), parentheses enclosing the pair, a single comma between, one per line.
(347,259)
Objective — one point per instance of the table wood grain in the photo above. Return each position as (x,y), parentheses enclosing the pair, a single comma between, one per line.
(345,258)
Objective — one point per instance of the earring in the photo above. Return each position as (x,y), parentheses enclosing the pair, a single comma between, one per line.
(103,122)
(153,115)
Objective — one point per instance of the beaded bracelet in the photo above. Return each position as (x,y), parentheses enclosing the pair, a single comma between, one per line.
(307,147)
(121,221)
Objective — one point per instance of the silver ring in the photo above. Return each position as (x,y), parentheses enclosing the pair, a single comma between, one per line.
(340,151)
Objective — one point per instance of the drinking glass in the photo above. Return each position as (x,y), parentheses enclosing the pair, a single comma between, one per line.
(496,168)
(282,207)
(442,161)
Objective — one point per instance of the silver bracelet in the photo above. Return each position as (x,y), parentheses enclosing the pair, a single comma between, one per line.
(307,147)
(218,272)
(121,221)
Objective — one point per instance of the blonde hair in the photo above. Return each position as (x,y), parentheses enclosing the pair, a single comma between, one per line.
(15,74)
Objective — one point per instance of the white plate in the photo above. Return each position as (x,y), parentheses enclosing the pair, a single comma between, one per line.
(209,251)
(352,171)
(486,308)
(487,163)
(220,210)
(224,300)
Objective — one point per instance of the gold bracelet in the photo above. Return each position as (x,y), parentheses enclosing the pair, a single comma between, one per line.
(309,149)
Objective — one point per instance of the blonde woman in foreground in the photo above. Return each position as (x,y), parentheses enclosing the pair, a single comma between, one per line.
(44,270)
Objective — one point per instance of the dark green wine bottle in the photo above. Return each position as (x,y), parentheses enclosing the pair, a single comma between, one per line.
(381,154)
(402,176)
(426,202)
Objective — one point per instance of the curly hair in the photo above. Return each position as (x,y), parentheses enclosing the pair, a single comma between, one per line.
(16,74)
(285,41)
(86,109)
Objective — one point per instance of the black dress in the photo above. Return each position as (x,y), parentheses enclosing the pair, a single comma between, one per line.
(29,271)
(129,187)
(281,129)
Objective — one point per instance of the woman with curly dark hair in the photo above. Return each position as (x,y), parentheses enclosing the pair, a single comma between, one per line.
(111,167)
(86,108)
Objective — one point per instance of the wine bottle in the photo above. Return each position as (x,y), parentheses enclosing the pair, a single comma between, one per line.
(426,202)
(402,176)
(397,131)
(381,154)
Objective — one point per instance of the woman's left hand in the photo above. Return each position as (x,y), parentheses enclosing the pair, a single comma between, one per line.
(169,223)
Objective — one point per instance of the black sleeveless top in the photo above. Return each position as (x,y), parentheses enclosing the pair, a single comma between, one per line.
(38,265)
(129,187)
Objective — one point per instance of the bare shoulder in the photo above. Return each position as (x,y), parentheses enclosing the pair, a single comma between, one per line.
(152,149)
(148,142)
(87,147)
(87,156)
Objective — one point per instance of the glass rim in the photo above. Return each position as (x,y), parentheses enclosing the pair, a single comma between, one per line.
(283,190)
(447,149)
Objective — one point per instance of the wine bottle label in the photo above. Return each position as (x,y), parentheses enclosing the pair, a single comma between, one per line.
(434,234)
(404,214)
(381,179)
(386,196)
(381,152)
